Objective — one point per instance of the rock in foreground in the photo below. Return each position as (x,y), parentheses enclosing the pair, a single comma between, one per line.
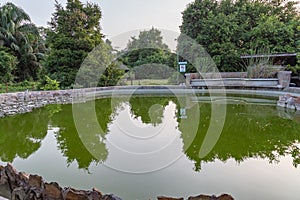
(17,185)
(21,186)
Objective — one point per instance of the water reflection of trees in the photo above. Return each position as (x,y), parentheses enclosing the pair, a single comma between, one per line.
(21,135)
(149,109)
(72,145)
(68,140)
(93,148)
(250,131)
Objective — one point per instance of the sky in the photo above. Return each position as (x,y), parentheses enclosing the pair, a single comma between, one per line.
(120,18)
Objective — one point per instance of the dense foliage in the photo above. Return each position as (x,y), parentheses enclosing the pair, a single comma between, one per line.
(22,38)
(74,32)
(228,29)
(99,68)
(8,63)
(149,56)
(49,84)
(20,86)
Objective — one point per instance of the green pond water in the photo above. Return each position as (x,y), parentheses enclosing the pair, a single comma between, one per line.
(141,147)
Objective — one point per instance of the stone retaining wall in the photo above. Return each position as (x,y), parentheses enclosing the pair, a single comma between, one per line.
(289,101)
(23,102)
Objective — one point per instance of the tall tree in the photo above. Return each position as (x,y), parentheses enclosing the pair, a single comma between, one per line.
(149,55)
(228,28)
(19,34)
(74,32)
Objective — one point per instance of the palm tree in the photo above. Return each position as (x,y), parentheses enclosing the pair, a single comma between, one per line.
(12,18)
(23,38)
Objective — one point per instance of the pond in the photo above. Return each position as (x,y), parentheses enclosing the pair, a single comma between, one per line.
(142,147)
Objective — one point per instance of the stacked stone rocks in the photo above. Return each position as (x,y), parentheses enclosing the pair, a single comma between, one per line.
(23,102)
(289,101)
(21,186)
(17,185)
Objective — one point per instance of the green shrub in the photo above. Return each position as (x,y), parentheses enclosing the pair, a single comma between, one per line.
(19,87)
(49,84)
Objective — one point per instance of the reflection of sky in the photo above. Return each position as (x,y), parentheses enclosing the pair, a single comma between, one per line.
(147,148)
(250,179)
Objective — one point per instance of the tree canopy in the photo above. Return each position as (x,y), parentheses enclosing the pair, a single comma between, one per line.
(148,38)
(228,29)
(22,38)
(74,32)
(149,55)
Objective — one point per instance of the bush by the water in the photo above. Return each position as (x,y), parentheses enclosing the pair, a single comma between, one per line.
(19,87)
(48,84)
